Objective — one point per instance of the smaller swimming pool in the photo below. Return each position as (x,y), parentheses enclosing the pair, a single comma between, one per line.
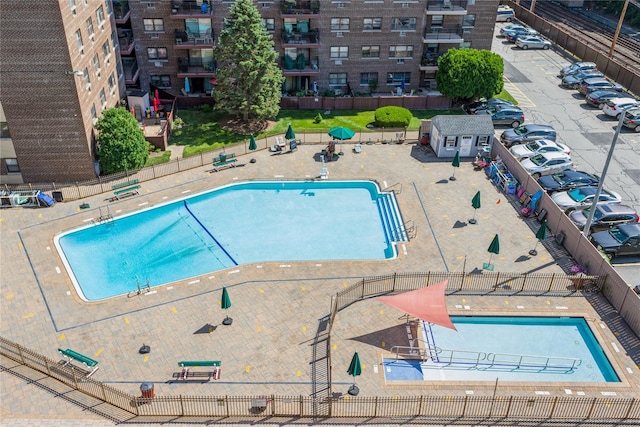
(545,349)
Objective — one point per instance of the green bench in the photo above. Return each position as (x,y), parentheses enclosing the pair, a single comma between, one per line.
(126,192)
(224,165)
(187,373)
(129,183)
(223,157)
(74,355)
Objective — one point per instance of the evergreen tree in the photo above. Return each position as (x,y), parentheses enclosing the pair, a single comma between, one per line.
(121,143)
(470,73)
(249,79)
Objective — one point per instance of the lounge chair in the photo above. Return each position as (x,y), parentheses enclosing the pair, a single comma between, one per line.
(357,148)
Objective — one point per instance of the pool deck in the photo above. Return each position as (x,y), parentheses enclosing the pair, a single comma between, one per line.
(277,307)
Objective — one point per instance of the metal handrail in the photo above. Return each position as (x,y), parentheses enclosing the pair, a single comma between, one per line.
(394,185)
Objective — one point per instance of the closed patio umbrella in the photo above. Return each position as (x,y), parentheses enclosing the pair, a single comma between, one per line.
(252,143)
(187,87)
(475,203)
(225,303)
(355,369)
(494,248)
(290,133)
(456,164)
(541,234)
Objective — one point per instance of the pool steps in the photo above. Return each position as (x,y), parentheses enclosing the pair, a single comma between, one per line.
(394,228)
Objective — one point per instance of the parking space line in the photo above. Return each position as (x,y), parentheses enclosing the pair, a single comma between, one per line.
(523,100)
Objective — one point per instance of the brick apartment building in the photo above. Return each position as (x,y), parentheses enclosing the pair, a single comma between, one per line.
(65,61)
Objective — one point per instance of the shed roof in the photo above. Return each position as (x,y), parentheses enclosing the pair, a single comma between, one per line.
(464,125)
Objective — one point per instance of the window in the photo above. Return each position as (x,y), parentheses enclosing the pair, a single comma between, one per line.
(96,65)
(79,42)
(269,24)
(337,79)
(403,24)
(339,52)
(398,78)
(339,24)
(103,99)
(87,79)
(450,141)
(371,51)
(161,81)
(90,29)
(400,51)
(106,51)
(365,78)
(4,130)
(72,5)
(110,8)
(100,17)
(111,81)
(157,53)
(153,24)
(482,140)
(94,115)
(12,165)
(469,21)
(437,20)
(372,24)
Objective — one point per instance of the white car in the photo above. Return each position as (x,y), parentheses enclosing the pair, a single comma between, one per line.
(538,146)
(614,107)
(532,42)
(547,164)
(580,198)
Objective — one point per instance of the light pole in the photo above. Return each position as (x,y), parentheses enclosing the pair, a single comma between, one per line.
(592,210)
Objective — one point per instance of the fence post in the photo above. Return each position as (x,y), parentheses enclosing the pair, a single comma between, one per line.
(330,401)
(181,406)
(362,290)
(20,353)
(153,171)
(464,407)
(553,275)
(393,288)
(506,415)
(104,393)
(201,159)
(420,405)
(301,400)
(75,379)
(178,162)
(375,408)
(593,405)
(553,407)
(78,188)
(524,280)
(495,286)
(46,364)
(626,416)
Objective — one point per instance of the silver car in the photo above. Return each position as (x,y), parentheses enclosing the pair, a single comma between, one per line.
(532,42)
(547,164)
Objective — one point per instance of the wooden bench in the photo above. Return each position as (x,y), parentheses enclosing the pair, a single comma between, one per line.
(223,157)
(74,355)
(187,373)
(129,183)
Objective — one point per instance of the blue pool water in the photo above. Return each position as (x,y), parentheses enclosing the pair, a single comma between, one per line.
(555,349)
(233,225)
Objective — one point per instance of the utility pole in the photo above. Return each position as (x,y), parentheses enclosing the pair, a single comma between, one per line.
(615,35)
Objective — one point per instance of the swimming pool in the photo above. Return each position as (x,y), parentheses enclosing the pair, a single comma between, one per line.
(545,349)
(232,225)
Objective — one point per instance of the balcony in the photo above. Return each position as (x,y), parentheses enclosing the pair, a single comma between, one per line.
(301,66)
(446,7)
(309,39)
(448,35)
(189,40)
(126,42)
(295,8)
(131,71)
(429,62)
(121,11)
(196,67)
(190,9)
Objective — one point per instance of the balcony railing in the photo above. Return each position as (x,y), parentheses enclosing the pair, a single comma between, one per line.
(190,39)
(189,8)
(447,7)
(443,35)
(430,60)
(196,66)
(131,71)
(126,44)
(300,65)
(300,7)
(299,37)
(121,11)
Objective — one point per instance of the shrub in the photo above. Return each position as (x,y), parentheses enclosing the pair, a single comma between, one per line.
(392,117)
(318,118)
(205,108)
(178,123)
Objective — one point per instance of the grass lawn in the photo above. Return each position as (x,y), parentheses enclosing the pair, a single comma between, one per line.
(201,131)
(156,160)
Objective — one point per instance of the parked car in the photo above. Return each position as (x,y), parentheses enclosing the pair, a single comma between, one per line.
(526,133)
(572,81)
(509,27)
(513,35)
(615,107)
(604,217)
(632,119)
(567,180)
(576,67)
(618,241)
(505,14)
(580,198)
(532,42)
(597,83)
(546,164)
(484,104)
(599,97)
(532,148)
(508,115)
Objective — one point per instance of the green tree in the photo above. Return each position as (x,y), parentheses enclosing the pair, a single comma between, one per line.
(249,79)
(470,73)
(121,143)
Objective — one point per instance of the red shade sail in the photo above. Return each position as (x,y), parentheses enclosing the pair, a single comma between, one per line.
(427,304)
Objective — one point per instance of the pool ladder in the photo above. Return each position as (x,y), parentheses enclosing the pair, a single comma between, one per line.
(142,289)
(483,361)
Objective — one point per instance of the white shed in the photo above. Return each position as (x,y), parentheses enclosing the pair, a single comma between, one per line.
(468,134)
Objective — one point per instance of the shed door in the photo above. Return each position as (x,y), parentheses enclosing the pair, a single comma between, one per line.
(465,145)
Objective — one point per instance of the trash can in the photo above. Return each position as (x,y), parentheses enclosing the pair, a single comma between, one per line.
(223,157)
(147,390)
(57,196)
